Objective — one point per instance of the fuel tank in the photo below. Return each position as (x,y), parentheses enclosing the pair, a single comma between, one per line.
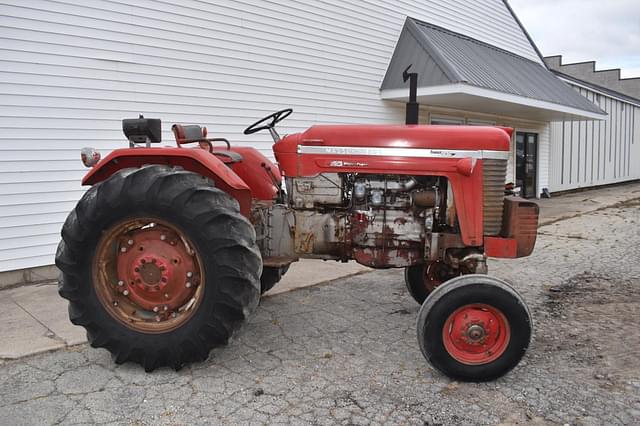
(366,148)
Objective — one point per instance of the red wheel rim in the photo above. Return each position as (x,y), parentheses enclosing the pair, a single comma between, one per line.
(476,334)
(148,275)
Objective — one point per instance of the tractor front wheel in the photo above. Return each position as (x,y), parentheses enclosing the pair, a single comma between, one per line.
(159,266)
(474,328)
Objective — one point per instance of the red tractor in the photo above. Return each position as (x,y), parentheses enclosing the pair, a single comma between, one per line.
(169,250)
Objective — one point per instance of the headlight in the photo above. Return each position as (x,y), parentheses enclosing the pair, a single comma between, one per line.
(90,156)
(377,197)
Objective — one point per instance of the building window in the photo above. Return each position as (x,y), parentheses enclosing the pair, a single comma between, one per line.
(474,122)
(448,121)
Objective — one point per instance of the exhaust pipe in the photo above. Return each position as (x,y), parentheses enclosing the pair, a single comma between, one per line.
(413,107)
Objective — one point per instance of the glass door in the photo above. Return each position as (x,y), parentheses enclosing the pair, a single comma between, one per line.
(527,163)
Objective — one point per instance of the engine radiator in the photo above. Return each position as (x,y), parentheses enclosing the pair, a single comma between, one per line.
(494,174)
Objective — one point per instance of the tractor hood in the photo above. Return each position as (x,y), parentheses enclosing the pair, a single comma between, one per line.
(455,138)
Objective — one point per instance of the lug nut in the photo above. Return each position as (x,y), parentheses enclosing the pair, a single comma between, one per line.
(123,249)
(173,315)
(155,309)
(188,285)
(126,292)
(158,319)
(115,303)
(165,308)
(130,242)
(163,237)
(120,283)
(189,274)
(166,295)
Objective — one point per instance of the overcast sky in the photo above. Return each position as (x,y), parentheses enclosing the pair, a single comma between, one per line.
(607,31)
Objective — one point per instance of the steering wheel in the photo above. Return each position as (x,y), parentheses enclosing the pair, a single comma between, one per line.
(264,124)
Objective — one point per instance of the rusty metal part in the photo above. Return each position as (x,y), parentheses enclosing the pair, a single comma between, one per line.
(450,212)
(520,222)
(425,199)
(376,230)
(392,239)
(318,226)
(147,275)
(494,172)
(436,273)
(475,263)
(375,257)
(275,229)
(440,243)
(320,190)
(396,233)
(319,234)
(476,334)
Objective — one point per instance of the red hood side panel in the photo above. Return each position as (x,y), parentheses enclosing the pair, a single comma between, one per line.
(428,137)
(454,138)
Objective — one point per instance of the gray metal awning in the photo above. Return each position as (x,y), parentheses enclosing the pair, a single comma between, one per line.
(456,71)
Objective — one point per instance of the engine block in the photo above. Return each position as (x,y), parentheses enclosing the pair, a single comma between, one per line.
(376,219)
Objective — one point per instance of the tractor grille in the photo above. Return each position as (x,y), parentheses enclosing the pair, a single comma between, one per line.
(495,172)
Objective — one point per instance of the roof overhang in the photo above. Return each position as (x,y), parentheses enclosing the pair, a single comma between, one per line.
(472,98)
(459,72)
(597,89)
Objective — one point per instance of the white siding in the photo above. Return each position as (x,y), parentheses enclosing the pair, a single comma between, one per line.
(71,70)
(542,129)
(590,153)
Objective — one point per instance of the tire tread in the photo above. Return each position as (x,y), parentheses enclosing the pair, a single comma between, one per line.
(193,198)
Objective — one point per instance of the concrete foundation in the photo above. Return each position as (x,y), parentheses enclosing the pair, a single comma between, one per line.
(28,276)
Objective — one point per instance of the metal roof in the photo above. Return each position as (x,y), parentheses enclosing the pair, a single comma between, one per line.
(598,88)
(441,57)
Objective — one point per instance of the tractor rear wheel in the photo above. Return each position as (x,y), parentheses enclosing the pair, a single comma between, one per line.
(271,276)
(474,328)
(159,266)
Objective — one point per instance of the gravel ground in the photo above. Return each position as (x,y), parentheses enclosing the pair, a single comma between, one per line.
(346,352)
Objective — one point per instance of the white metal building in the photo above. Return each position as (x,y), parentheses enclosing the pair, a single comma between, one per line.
(71,70)
(589,153)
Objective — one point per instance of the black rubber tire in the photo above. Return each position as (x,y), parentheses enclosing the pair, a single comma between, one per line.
(209,217)
(414,280)
(469,289)
(271,276)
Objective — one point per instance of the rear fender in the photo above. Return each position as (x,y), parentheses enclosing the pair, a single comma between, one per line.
(258,172)
(195,160)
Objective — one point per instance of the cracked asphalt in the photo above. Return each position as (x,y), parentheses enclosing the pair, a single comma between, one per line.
(346,352)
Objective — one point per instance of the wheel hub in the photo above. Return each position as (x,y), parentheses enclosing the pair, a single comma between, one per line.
(476,334)
(149,275)
(155,269)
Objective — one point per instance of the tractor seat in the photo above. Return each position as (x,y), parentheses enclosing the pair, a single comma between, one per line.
(193,133)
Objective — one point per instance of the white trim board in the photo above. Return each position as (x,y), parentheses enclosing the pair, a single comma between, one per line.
(439,95)
(403,152)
